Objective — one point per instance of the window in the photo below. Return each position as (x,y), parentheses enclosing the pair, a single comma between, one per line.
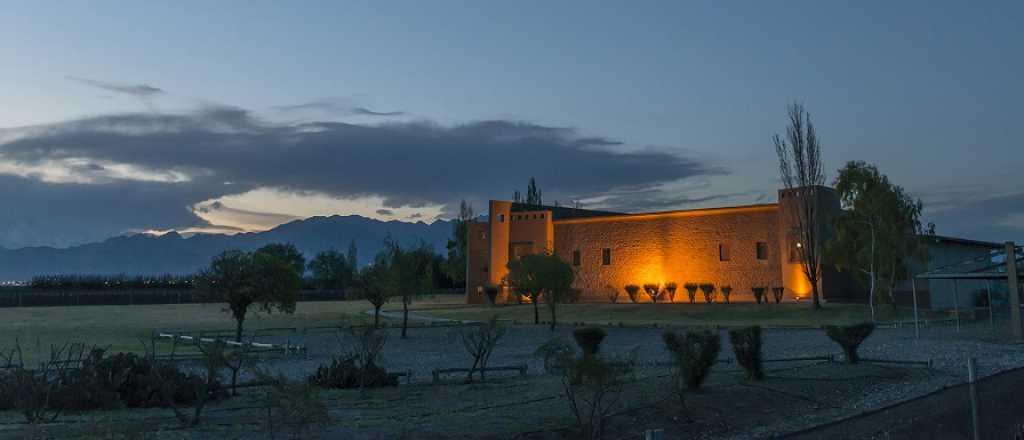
(762,250)
(576,258)
(542,216)
(501,218)
(723,252)
(483,235)
(606,257)
(485,268)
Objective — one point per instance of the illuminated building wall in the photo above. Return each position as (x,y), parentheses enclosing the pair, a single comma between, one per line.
(609,250)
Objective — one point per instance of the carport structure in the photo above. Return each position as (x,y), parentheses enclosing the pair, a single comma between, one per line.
(992,268)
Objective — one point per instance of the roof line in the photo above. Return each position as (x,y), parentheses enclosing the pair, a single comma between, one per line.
(675,213)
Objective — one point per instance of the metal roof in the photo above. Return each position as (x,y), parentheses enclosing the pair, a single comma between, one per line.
(991,267)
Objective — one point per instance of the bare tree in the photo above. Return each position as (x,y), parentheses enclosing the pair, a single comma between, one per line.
(800,168)
(479,341)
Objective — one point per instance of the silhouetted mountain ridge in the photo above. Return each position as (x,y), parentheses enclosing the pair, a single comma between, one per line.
(144,254)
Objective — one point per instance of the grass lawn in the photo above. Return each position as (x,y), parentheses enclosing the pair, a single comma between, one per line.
(677,314)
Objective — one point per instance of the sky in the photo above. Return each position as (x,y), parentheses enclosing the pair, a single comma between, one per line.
(122,117)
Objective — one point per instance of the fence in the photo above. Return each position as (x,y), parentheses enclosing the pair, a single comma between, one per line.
(990,408)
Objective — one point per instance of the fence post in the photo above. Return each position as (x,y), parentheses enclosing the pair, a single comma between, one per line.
(956,302)
(1012,289)
(991,311)
(972,378)
(913,290)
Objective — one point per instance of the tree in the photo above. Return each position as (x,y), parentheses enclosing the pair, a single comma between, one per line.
(800,168)
(533,195)
(410,275)
(372,283)
(538,275)
(352,257)
(330,270)
(246,279)
(878,229)
(458,245)
(288,253)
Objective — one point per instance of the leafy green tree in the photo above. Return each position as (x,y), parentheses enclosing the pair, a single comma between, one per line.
(410,275)
(878,229)
(541,275)
(258,279)
(458,245)
(373,283)
(331,270)
(352,257)
(288,253)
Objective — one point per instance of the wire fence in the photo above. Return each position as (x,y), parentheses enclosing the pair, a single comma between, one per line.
(24,297)
(987,408)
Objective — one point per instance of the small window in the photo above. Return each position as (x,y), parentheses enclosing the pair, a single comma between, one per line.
(501,218)
(483,235)
(723,252)
(542,216)
(606,257)
(576,258)
(485,268)
(762,250)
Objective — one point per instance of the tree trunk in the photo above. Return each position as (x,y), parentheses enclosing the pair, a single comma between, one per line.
(554,317)
(815,295)
(238,329)
(376,317)
(405,317)
(536,311)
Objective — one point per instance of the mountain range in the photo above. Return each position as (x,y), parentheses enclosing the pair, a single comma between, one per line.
(171,253)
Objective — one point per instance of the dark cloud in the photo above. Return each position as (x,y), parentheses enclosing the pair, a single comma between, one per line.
(408,164)
(367,112)
(136,90)
(980,217)
(335,106)
(385,212)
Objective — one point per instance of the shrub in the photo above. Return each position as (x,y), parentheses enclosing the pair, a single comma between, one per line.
(759,294)
(491,291)
(850,337)
(652,290)
(297,406)
(593,388)
(613,294)
(632,290)
(691,291)
(695,352)
(479,341)
(670,290)
(746,344)
(777,293)
(556,353)
(343,373)
(573,296)
(726,291)
(589,339)
(709,292)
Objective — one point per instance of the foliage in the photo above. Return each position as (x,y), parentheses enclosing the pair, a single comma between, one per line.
(372,284)
(259,279)
(593,387)
(746,345)
(633,290)
(295,405)
(800,168)
(480,341)
(759,294)
(777,293)
(331,270)
(540,274)
(458,245)
(878,230)
(410,274)
(670,290)
(695,352)
(286,252)
(111,282)
(652,290)
(708,290)
(589,339)
(726,292)
(357,368)
(849,338)
(691,291)
(556,352)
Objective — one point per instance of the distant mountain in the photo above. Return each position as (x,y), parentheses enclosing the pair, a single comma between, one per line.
(144,254)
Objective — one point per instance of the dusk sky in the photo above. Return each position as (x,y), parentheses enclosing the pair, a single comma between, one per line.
(119,117)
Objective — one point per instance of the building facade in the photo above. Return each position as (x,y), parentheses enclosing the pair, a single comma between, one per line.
(742,247)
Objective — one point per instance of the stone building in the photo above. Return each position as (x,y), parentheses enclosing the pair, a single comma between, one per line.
(741,246)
